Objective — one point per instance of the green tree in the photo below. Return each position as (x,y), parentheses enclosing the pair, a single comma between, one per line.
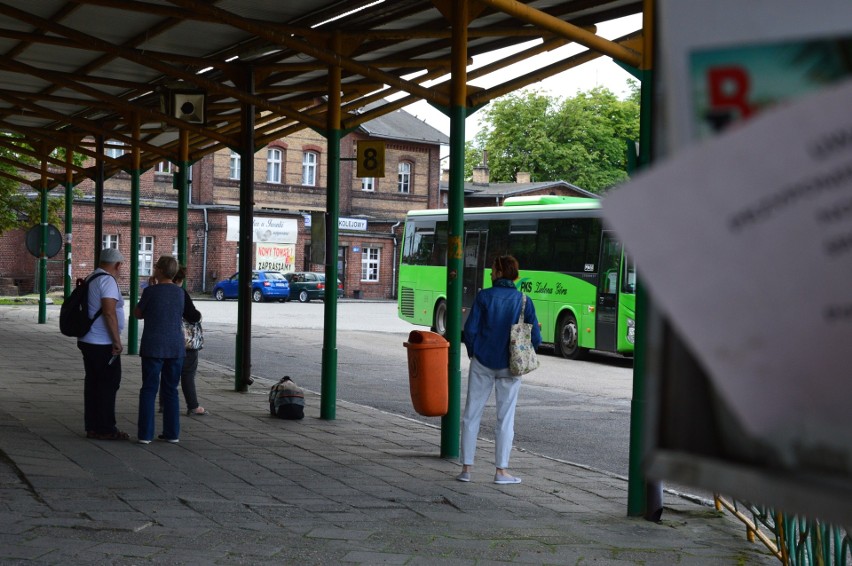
(472,158)
(20,205)
(581,140)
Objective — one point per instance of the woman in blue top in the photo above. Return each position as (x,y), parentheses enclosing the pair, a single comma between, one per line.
(486,336)
(162,350)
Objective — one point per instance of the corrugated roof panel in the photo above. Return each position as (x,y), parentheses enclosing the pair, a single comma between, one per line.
(100,22)
(196,39)
(154,27)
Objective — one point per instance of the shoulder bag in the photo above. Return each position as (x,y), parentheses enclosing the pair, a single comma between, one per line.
(522,357)
(193,335)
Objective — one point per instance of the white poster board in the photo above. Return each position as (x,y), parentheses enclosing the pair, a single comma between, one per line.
(743,237)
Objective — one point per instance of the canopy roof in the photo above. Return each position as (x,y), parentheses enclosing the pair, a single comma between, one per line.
(72,70)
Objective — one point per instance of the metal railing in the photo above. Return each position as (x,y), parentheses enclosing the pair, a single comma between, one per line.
(795,541)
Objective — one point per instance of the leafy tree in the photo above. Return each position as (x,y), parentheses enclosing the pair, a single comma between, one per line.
(472,158)
(19,209)
(582,139)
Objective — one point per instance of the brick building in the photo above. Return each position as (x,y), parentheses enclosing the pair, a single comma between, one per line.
(480,191)
(290,184)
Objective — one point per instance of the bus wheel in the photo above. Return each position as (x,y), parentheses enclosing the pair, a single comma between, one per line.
(566,343)
(439,320)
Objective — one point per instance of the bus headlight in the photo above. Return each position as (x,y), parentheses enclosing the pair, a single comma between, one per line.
(631,330)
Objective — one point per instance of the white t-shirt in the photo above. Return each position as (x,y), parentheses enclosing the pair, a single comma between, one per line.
(104,286)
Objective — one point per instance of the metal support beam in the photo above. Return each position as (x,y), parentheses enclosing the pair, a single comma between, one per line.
(42,253)
(99,200)
(546,21)
(644,498)
(458,114)
(246,243)
(329,348)
(69,208)
(182,181)
(135,224)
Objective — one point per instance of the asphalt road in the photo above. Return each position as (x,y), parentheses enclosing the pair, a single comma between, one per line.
(577,411)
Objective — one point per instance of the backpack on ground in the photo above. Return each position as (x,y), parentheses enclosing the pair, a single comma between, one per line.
(287,400)
(74,314)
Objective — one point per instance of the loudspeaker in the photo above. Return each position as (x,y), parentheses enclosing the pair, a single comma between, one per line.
(188,106)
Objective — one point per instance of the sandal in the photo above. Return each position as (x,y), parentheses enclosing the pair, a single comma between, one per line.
(197,412)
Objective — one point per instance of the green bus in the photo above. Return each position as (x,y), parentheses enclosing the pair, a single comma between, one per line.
(573,268)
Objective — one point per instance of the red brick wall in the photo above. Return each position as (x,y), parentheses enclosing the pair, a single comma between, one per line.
(212,189)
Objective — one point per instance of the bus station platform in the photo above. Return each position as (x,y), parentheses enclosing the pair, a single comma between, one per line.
(243,488)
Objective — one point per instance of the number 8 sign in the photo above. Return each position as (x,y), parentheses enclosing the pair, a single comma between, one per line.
(371,158)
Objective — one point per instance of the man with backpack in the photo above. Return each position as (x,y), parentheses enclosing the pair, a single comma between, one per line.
(101,348)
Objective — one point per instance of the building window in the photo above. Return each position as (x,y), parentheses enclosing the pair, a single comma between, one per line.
(164,167)
(404,177)
(109,241)
(234,172)
(370,264)
(146,255)
(273,165)
(309,168)
(368,184)
(175,247)
(114,149)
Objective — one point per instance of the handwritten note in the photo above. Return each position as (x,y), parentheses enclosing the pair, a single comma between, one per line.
(745,242)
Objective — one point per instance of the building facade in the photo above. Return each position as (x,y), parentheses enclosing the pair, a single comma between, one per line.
(290,189)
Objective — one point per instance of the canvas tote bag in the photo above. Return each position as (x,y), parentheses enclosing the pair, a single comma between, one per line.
(522,358)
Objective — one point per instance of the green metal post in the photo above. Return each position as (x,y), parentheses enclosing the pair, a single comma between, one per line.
(69,207)
(450,426)
(99,200)
(42,260)
(450,423)
(329,350)
(135,199)
(246,241)
(182,212)
(328,405)
(182,182)
(638,493)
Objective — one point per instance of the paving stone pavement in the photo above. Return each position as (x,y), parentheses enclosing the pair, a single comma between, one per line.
(243,488)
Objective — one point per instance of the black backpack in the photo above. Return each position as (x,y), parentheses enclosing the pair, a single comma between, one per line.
(287,400)
(74,314)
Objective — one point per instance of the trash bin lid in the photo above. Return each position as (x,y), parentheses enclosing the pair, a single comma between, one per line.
(425,339)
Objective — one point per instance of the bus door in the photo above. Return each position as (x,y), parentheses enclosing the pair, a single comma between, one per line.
(474,266)
(606,312)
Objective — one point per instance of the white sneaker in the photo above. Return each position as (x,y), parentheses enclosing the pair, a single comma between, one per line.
(506,480)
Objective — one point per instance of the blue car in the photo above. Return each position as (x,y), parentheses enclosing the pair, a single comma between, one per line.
(265,286)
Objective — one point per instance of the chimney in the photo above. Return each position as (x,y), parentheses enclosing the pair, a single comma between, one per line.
(522,177)
(481,173)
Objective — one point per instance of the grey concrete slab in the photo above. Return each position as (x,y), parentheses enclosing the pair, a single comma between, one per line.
(241,487)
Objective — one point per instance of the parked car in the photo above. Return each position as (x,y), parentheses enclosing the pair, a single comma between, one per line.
(307,285)
(265,286)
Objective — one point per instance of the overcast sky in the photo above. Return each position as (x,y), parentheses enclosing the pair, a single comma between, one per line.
(600,72)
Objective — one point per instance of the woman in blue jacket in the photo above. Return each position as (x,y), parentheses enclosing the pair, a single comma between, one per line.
(486,336)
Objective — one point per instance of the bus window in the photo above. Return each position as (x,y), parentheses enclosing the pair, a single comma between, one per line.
(418,243)
(576,245)
(610,261)
(522,240)
(628,284)
(439,253)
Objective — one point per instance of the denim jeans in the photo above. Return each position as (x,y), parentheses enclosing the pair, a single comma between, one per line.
(187,381)
(153,369)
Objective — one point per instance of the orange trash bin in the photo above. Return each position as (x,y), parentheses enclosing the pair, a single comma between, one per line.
(427,372)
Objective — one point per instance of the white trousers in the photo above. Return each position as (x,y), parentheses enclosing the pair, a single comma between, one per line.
(480,381)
